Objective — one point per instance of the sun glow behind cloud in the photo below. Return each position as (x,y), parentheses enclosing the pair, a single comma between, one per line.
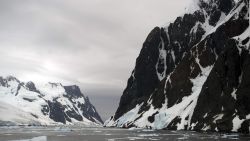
(91,42)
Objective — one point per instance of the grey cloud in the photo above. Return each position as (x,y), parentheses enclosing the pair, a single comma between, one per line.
(92,43)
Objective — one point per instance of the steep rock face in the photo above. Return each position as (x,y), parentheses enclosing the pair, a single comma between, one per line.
(73,92)
(47,104)
(192,74)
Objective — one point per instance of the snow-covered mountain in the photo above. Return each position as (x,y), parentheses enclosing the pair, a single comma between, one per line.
(49,104)
(193,74)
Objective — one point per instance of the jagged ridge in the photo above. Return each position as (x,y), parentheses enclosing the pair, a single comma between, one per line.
(47,104)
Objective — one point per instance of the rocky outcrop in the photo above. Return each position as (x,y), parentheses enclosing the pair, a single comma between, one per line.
(192,74)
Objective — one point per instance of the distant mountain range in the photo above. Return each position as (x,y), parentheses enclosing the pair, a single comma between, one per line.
(193,74)
(50,104)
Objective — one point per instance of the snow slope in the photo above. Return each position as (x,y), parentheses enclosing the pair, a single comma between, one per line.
(51,103)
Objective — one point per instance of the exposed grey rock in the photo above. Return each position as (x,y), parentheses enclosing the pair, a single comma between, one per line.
(174,56)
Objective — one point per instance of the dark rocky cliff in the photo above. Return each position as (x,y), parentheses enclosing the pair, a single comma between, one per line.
(192,74)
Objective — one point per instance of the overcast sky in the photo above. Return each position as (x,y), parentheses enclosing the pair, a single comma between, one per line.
(91,43)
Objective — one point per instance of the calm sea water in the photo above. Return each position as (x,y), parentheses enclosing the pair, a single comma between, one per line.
(107,134)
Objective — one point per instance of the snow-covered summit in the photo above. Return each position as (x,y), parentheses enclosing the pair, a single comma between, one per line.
(46,104)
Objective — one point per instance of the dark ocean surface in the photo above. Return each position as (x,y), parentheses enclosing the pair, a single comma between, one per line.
(108,134)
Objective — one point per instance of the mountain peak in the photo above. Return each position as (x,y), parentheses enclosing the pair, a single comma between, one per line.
(211,5)
(73,90)
(47,104)
(11,78)
(193,75)
(53,84)
(31,86)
